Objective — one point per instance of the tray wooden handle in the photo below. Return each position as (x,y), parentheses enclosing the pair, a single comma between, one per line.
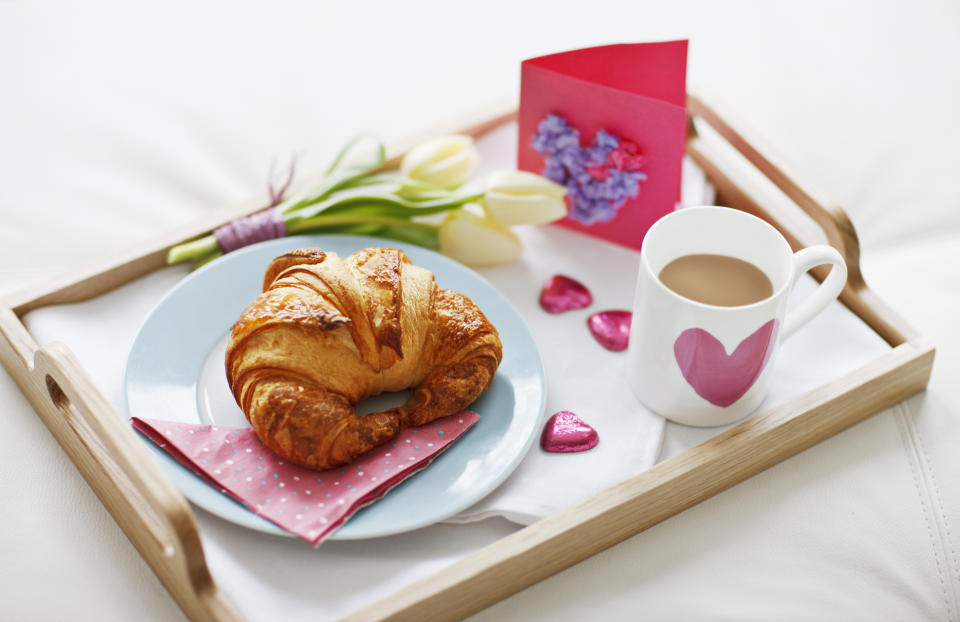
(144,502)
(832,219)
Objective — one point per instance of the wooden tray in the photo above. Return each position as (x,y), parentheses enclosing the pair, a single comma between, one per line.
(157,519)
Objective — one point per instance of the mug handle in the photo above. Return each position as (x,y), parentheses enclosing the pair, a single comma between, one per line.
(826,293)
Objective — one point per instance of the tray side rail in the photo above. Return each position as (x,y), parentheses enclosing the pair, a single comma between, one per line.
(146,505)
(831,218)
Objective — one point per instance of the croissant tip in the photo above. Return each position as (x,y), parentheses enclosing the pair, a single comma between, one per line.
(314,252)
(311,256)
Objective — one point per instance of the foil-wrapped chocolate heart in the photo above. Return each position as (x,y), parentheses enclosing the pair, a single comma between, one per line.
(567,433)
(611,329)
(561,293)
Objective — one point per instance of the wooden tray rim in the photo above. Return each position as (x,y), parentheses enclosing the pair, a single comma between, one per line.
(161,525)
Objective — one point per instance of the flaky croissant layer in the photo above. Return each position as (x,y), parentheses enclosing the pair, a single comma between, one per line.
(328,332)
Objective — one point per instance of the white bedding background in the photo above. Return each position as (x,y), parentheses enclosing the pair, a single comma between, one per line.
(118,121)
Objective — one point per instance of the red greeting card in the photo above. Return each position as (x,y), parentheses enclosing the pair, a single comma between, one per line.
(609,123)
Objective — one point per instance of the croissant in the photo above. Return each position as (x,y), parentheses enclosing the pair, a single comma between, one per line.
(328,332)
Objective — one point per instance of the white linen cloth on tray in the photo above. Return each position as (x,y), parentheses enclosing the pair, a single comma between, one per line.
(264,574)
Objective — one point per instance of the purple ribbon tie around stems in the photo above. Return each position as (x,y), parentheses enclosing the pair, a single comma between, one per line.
(258,227)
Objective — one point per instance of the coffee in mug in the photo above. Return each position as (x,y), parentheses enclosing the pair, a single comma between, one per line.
(716,280)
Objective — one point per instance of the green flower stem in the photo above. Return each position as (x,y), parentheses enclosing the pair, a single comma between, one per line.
(338,220)
(384,204)
(193,250)
(384,210)
(207,258)
(406,183)
(336,180)
(378,159)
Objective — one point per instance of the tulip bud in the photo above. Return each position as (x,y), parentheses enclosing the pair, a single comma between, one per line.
(471,238)
(522,198)
(446,162)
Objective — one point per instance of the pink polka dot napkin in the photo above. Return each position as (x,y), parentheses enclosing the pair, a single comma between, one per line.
(309,504)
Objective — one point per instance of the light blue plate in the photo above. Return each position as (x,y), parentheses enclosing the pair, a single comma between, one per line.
(175,372)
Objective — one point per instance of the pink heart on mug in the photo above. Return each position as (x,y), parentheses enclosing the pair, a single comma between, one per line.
(716,376)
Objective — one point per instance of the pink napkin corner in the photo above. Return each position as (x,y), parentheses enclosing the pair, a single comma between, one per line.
(309,504)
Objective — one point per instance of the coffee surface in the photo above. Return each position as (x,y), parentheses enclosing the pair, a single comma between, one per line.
(716,280)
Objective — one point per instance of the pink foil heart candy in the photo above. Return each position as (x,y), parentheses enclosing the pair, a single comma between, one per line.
(611,329)
(567,433)
(561,293)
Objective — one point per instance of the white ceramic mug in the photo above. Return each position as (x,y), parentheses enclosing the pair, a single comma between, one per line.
(706,365)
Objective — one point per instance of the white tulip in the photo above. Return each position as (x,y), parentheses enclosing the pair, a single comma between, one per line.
(471,238)
(522,198)
(446,162)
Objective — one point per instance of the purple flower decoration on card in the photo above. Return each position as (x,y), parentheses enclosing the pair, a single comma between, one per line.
(599,178)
